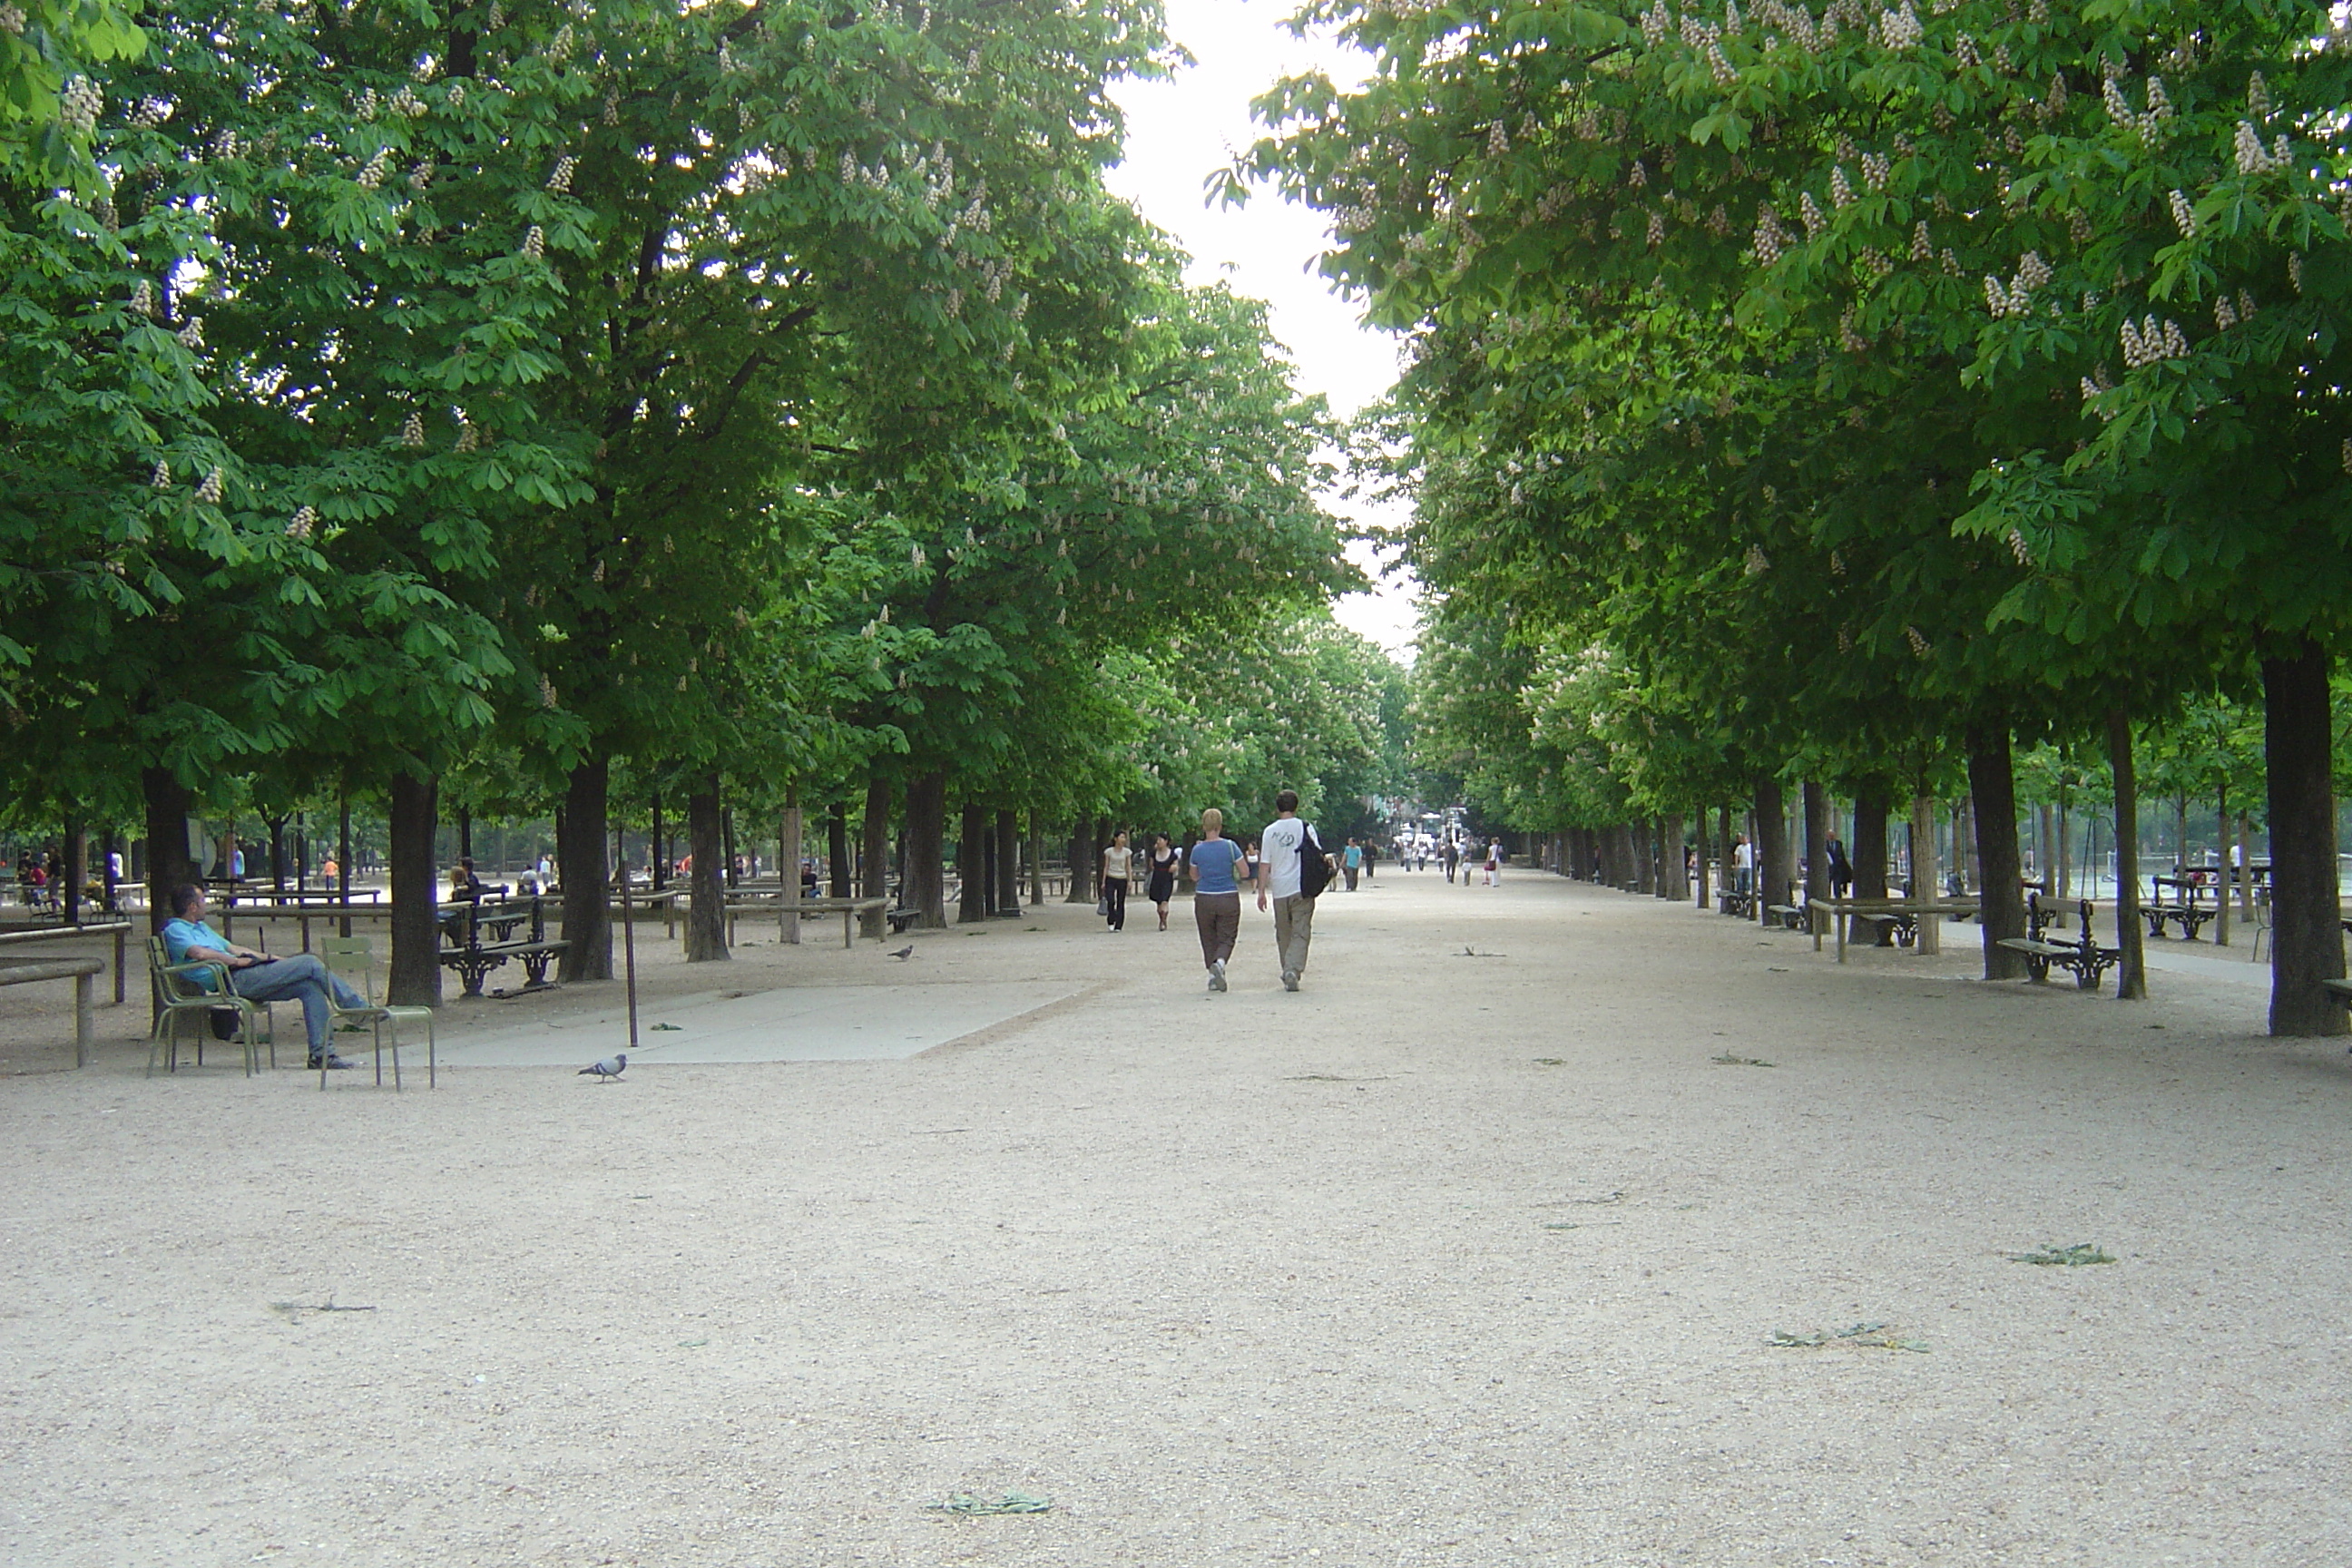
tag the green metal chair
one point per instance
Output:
(195, 989)
(353, 958)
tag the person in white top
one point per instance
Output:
(1277, 879)
(1743, 865)
(1117, 862)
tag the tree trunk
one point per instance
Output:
(581, 867)
(875, 874)
(2221, 888)
(1872, 808)
(1008, 863)
(2131, 974)
(706, 899)
(923, 874)
(2000, 899)
(1964, 840)
(1082, 870)
(1926, 873)
(2306, 942)
(1817, 838)
(836, 847)
(788, 871)
(1645, 878)
(169, 864)
(1036, 862)
(1699, 833)
(75, 856)
(972, 864)
(1773, 869)
(1675, 884)
(413, 977)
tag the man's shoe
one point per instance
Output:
(1217, 975)
(1290, 980)
(334, 1063)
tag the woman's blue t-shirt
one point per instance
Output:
(1215, 857)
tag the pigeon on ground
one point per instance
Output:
(605, 1071)
(905, 952)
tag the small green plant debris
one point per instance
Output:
(1858, 1336)
(673, 1028)
(1551, 1061)
(970, 1506)
(1730, 1060)
(2073, 1256)
(1560, 1225)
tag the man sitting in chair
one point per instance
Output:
(256, 974)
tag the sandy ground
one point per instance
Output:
(1448, 1259)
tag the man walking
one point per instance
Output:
(1284, 848)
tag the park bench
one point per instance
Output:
(1733, 901)
(464, 926)
(2341, 990)
(772, 903)
(18, 936)
(2190, 912)
(2084, 957)
(1791, 916)
(81, 970)
(1899, 918)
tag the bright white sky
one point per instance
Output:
(1178, 133)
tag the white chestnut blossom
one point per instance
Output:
(2184, 216)
(161, 478)
(304, 521)
(209, 493)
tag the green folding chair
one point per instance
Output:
(353, 958)
(195, 989)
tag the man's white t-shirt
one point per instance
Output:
(1744, 857)
(1279, 852)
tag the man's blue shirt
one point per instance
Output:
(181, 935)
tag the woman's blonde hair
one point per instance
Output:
(1212, 821)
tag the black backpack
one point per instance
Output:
(1314, 869)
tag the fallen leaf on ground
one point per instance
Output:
(2081, 1253)
(970, 1506)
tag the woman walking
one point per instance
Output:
(1118, 860)
(1216, 894)
(1162, 884)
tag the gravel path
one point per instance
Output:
(1448, 1259)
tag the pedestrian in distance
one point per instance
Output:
(1294, 869)
(1494, 863)
(1841, 869)
(1450, 857)
(1117, 862)
(1743, 865)
(1216, 866)
(1351, 863)
(1161, 872)
(1371, 858)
